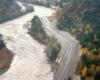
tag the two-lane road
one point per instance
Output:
(69, 50)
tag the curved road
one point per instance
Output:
(69, 50)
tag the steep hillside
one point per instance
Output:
(82, 19)
(9, 9)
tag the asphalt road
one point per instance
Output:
(69, 50)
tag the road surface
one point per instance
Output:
(69, 50)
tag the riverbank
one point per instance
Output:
(30, 60)
(6, 57)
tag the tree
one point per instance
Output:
(97, 76)
(1, 42)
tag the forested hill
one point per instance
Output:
(8, 9)
(7, 5)
(81, 18)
